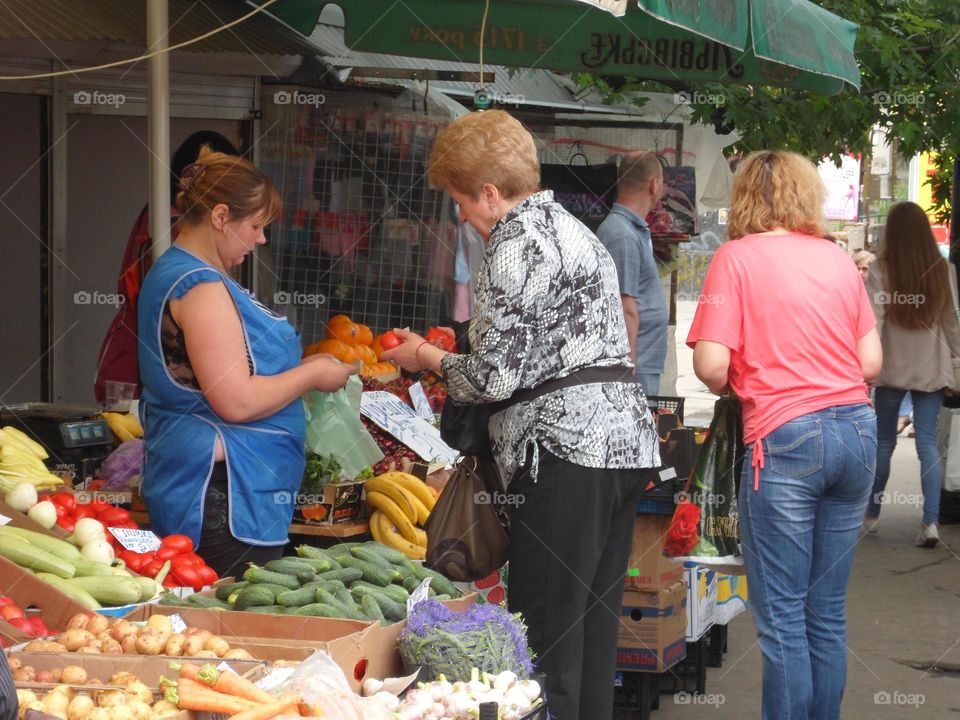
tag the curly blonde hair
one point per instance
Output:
(485, 147)
(776, 189)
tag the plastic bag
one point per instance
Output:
(711, 496)
(323, 688)
(122, 466)
(334, 428)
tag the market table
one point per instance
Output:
(335, 531)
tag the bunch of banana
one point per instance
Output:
(402, 504)
(21, 460)
(125, 426)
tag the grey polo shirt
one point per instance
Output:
(627, 238)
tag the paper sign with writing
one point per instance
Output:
(397, 418)
(419, 595)
(141, 541)
(420, 402)
(177, 623)
(4, 520)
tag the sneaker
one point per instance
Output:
(871, 523)
(928, 537)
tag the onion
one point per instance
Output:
(98, 550)
(43, 513)
(87, 529)
(22, 497)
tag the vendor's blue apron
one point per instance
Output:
(264, 458)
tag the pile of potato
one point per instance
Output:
(133, 702)
(92, 633)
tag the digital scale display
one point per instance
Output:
(84, 433)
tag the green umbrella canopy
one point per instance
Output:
(789, 43)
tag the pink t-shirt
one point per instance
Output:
(791, 308)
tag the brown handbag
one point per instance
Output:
(468, 531)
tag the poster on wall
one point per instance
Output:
(586, 191)
(843, 188)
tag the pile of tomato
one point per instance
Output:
(187, 569)
(69, 511)
(13, 614)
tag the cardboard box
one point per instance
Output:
(731, 597)
(701, 600)
(648, 569)
(33, 595)
(338, 503)
(652, 624)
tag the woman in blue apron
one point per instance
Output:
(222, 377)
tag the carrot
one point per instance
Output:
(265, 712)
(229, 683)
(191, 695)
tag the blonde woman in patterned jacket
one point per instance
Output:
(548, 307)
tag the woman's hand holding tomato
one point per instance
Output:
(404, 354)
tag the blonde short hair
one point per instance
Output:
(776, 189)
(485, 147)
(861, 257)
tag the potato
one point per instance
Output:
(56, 703)
(37, 705)
(160, 623)
(98, 714)
(192, 645)
(149, 643)
(218, 645)
(122, 628)
(14, 663)
(75, 638)
(105, 635)
(44, 676)
(129, 644)
(98, 624)
(73, 675)
(24, 674)
(205, 654)
(44, 646)
(57, 673)
(80, 707)
(174, 645)
(122, 678)
(95, 681)
(25, 697)
(111, 647)
(78, 621)
(89, 649)
(205, 634)
(66, 690)
(138, 692)
(238, 654)
(140, 710)
(120, 712)
(109, 698)
(164, 708)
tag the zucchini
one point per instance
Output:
(61, 548)
(302, 573)
(345, 575)
(32, 557)
(210, 603)
(269, 609)
(371, 573)
(394, 592)
(89, 568)
(367, 555)
(439, 582)
(318, 610)
(370, 608)
(148, 587)
(254, 595)
(258, 575)
(296, 598)
(223, 592)
(81, 596)
(392, 556)
(113, 591)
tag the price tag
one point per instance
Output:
(178, 624)
(394, 416)
(276, 678)
(668, 473)
(223, 667)
(4, 520)
(419, 595)
(141, 541)
(420, 402)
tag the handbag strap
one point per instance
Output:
(584, 376)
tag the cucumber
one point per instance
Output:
(296, 598)
(302, 573)
(345, 598)
(442, 597)
(223, 592)
(370, 608)
(171, 600)
(312, 553)
(410, 584)
(318, 610)
(210, 603)
(320, 595)
(391, 610)
(259, 575)
(268, 609)
(345, 575)
(318, 565)
(366, 554)
(394, 592)
(370, 572)
(335, 551)
(253, 596)
(439, 582)
(392, 556)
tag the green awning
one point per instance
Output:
(789, 43)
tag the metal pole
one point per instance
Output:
(158, 125)
(955, 212)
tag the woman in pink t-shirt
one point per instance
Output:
(785, 323)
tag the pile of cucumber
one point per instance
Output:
(356, 581)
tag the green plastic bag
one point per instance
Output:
(334, 428)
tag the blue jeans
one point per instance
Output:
(926, 408)
(650, 382)
(798, 533)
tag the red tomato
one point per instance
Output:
(4, 600)
(187, 576)
(166, 553)
(10, 612)
(170, 582)
(436, 336)
(390, 340)
(134, 560)
(96, 484)
(152, 567)
(82, 511)
(61, 511)
(180, 543)
(186, 560)
(65, 500)
(67, 524)
(39, 627)
(98, 506)
(22, 624)
(113, 516)
(207, 574)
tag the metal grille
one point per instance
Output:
(362, 233)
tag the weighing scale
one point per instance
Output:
(76, 438)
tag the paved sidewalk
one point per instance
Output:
(903, 609)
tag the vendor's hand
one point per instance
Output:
(331, 374)
(317, 356)
(405, 354)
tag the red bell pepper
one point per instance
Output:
(152, 567)
(64, 500)
(208, 575)
(82, 511)
(180, 543)
(113, 517)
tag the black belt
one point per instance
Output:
(584, 376)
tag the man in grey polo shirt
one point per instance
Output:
(626, 236)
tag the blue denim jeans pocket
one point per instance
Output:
(795, 449)
(867, 430)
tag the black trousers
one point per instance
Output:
(221, 550)
(570, 535)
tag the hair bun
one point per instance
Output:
(191, 175)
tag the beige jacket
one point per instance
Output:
(914, 359)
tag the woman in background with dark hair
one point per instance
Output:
(909, 286)
(118, 353)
